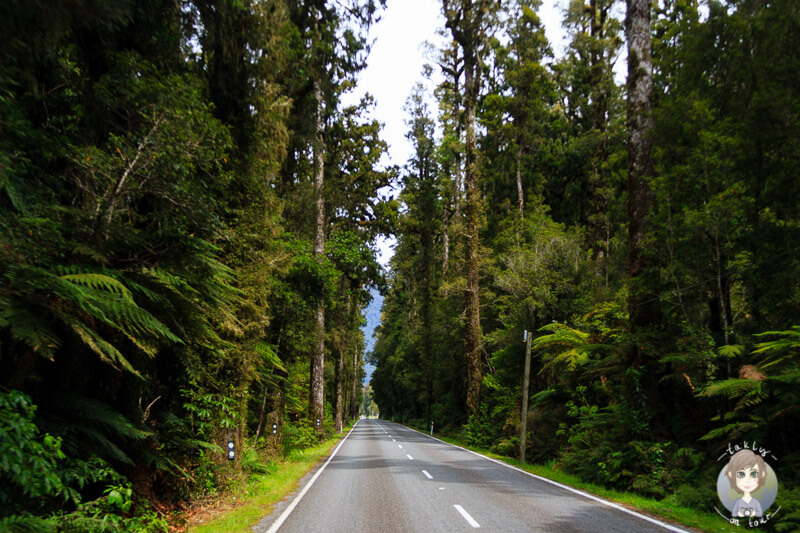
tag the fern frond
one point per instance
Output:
(172, 283)
(729, 388)
(101, 443)
(31, 329)
(545, 397)
(572, 359)
(561, 335)
(26, 524)
(731, 350)
(100, 281)
(575, 341)
(790, 339)
(269, 355)
(732, 431)
(102, 347)
(100, 414)
(150, 295)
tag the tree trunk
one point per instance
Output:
(465, 19)
(445, 241)
(472, 339)
(520, 193)
(354, 392)
(339, 374)
(642, 302)
(457, 126)
(428, 257)
(316, 392)
(339, 399)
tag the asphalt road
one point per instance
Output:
(385, 477)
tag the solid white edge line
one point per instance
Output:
(565, 487)
(285, 514)
(427, 475)
(466, 516)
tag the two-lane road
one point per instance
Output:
(385, 477)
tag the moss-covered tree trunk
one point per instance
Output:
(317, 389)
(465, 20)
(642, 302)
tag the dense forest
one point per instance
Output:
(639, 240)
(188, 216)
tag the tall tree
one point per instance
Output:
(317, 387)
(642, 302)
(421, 184)
(469, 22)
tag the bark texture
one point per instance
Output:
(472, 339)
(465, 19)
(317, 389)
(642, 303)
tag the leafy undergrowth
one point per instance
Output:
(247, 504)
(663, 509)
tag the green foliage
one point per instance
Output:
(38, 477)
(26, 524)
(765, 393)
(301, 434)
(30, 463)
(117, 510)
(477, 430)
(210, 413)
(572, 341)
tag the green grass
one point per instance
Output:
(664, 509)
(257, 498)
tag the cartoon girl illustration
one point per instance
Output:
(746, 473)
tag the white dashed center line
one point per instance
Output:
(466, 516)
(400, 446)
(427, 475)
(409, 457)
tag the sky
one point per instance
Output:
(395, 65)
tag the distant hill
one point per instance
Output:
(373, 315)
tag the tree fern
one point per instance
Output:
(89, 425)
(100, 282)
(269, 355)
(570, 346)
(101, 347)
(762, 399)
(730, 388)
(27, 524)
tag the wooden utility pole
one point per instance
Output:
(523, 423)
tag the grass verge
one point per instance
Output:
(246, 506)
(663, 509)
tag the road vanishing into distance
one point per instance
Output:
(384, 477)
